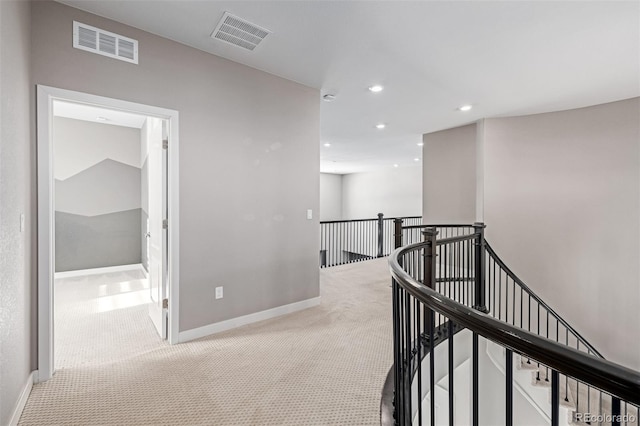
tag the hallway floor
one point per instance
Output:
(322, 366)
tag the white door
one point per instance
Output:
(156, 232)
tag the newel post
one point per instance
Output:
(380, 235)
(480, 302)
(397, 233)
(429, 280)
(429, 277)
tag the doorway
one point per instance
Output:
(156, 239)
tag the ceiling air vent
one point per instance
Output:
(237, 31)
(91, 39)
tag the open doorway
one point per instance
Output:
(107, 217)
(108, 193)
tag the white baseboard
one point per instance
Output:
(22, 401)
(218, 327)
(94, 271)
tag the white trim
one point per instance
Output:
(46, 247)
(96, 271)
(218, 327)
(22, 401)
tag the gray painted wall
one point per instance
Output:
(561, 199)
(97, 199)
(249, 161)
(562, 207)
(393, 192)
(449, 175)
(17, 187)
(85, 242)
(330, 197)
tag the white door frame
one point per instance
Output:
(46, 215)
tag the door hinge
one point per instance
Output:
(165, 224)
(165, 143)
(165, 303)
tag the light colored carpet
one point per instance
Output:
(102, 318)
(322, 366)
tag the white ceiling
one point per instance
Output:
(503, 57)
(97, 114)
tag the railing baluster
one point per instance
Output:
(494, 288)
(566, 378)
(521, 302)
(509, 387)
(397, 359)
(432, 369)
(555, 399)
(418, 343)
(407, 322)
(588, 396)
(546, 373)
(615, 411)
(359, 239)
(600, 402)
(380, 235)
(538, 332)
(334, 244)
(451, 372)
(475, 388)
(513, 305)
(500, 294)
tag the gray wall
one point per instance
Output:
(562, 207)
(330, 196)
(393, 192)
(560, 194)
(449, 175)
(17, 186)
(97, 198)
(249, 161)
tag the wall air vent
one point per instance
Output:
(91, 39)
(237, 31)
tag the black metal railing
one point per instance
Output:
(436, 294)
(347, 241)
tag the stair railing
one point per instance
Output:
(425, 272)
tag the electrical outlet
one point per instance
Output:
(219, 293)
(309, 214)
(21, 222)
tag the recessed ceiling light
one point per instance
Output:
(465, 107)
(376, 88)
(416, 159)
(102, 119)
(380, 126)
(327, 145)
(395, 165)
(420, 144)
(329, 97)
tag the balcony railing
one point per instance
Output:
(348, 241)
